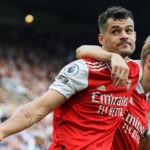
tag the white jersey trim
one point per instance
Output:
(71, 79)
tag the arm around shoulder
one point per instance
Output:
(94, 52)
(120, 69)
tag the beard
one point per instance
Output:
(126, 53)
(123, 50)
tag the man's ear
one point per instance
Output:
(100, 38)
(148, 60)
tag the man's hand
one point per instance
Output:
(120, 70)
(1, 136)
(144, 143)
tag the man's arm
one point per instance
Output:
(31, 113)
(120, 69)
(93, 51)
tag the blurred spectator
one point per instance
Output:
(28, 64)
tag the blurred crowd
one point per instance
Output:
(37, 137)
(26, 71)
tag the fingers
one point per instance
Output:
(120, 75)
(120, 70)
(113, 72)
(126, 74)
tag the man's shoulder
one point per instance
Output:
(134, 61)
(135, 69)
(89, 61)
(133, 64)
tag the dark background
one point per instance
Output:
(71, 22)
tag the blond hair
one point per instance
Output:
(145, 50)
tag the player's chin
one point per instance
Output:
(126, 52)
(126, 48)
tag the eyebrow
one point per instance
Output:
(129, 26)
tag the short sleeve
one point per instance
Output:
(71, 79)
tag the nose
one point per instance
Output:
(123, 35)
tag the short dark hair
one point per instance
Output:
(116, 13)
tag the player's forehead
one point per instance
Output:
(119, 23)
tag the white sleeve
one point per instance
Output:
(71, 79)
(140, 73)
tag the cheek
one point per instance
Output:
(133, 41)
(111, 42)
(147, 79)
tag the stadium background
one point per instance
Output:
(32, 54)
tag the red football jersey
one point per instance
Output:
(134, 122)
(95, 107)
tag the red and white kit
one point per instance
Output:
(134, 122)
(95, 107)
